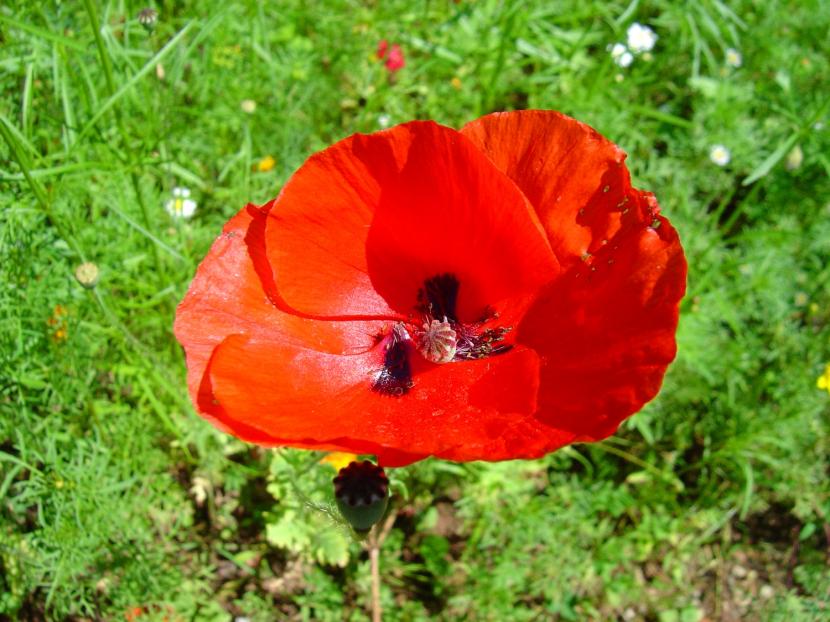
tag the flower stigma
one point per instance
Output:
(437, 342)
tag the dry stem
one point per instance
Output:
(374, 542)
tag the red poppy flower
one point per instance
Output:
(383, 47)
(395, 60)
(493, 293)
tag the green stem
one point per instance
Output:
(119, 119)
(40, 194)
(99, 43)
(673, 481)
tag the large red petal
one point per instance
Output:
(302, 395)
(361, 225)
(574, 177)
(226, 297)
(605, 330)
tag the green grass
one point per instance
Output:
(714, 501)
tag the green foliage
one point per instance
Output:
(306, 522)
(115, 497)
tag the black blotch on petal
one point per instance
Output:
(439, 296)
(395, 379)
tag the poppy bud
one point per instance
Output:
(362, 493)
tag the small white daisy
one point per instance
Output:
(622, 57)
(640, 38)
(720, 155)
(181, 205)
(734, 58)
(384, 120)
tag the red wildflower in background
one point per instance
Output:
(383, 47)
(493, 293)
(395, 60)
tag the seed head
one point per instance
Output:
(438, 341)
(87, 274)
(148, 18)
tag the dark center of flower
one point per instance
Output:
(395, 378)
(439, 336)
(438, 296)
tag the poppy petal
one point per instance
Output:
(227, 297)
(300, 394)
(574, 177)
(361, 226)
(605, 330)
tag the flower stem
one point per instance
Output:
(374, 542)
(40, 194)
(106, 63)
(666, 477)
(374, 560)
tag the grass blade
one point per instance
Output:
(49, 35)
(772, 159)
(149, 66)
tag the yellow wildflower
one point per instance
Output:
(823, 381)
(456, 83)
(338, 459)
(226, 55)
(266, 164)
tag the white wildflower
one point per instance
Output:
(720, 155)
(181, 205)
(622, 57)
(384, 120)
(248, 106)
(200, 488)
(734, 58)
(640, 38)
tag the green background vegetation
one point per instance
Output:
(713, 502)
